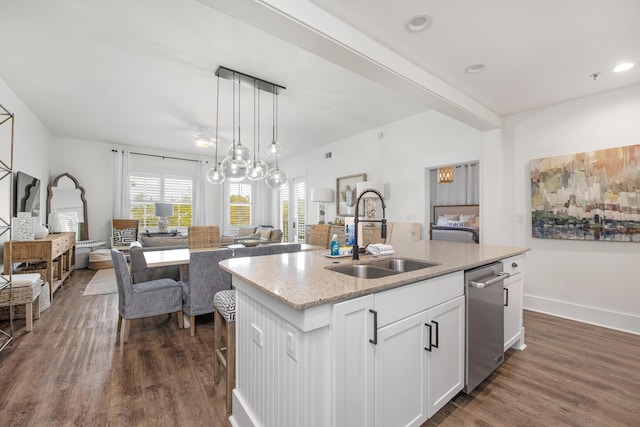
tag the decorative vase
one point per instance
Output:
(41, 231)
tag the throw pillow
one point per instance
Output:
(246, 231)
(444, 219)
(265, 233)
(455, 224)
(124, 236)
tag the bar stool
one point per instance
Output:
(224, 303)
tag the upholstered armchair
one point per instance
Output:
(206, 278)
(143, 299)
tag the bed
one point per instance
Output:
(456, 223)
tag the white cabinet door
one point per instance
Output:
(401, 374)
(513, 311)
(446, 358)
(353, 362)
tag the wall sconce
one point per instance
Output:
(445, 175)
(163, 210)
(370, 198)
(321, 195)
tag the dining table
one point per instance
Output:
(180, 257)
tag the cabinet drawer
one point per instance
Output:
(404, 301)
(513, 265)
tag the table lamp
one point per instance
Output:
(163, 210)
(321, 195)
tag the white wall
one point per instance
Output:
(399, 159)
(31, 149)
(595, 282)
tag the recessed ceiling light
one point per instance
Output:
(623, 67)
(475, 68)
(419, 22)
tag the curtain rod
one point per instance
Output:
(162, 157)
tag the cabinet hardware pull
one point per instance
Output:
(428, 326)
(374, 341)
(506, 304)
(437, 334)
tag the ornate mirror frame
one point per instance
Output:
(84, 226)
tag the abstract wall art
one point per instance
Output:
(593, 195)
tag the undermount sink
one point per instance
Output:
(403, 265)
(365, 271)
(383, 268)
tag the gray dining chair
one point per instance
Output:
(206, 278)
(144, 299)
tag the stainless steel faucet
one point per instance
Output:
(383, 221)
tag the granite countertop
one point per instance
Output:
(302, 280)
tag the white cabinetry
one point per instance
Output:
(446, 361)
(353, 355)
(410, 366)
(513, 295)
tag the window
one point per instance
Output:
(284, 212)
(292, 210)
(147, 189)
(240, 199)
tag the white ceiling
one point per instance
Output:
(142, 73)
(537, 53)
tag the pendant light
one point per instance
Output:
(216, 175)
(240, 150)
(274, 148)
(257, 169)
(234, 165)
(276, 178)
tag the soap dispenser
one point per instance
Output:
(335, 246)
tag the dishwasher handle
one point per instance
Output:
(480, 285)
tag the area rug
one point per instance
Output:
(102, 283)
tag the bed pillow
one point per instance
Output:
(468, 220)
(444, 219)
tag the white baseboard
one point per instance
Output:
(592, 315)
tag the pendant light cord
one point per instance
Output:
(239, 108)
(234, 115)
(217, 116)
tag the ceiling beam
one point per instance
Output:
(309, 27)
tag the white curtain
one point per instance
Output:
(464, 190)
(473, 184)
(121, 196)
(199, 187)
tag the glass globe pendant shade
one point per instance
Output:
(216, 175)
(241, 151)
(273, 149)
(276, 178)
(234, 169)
(257, 170)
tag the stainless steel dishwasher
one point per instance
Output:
(485, 323)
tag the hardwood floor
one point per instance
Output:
(69, 372)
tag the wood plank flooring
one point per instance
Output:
(69, 371)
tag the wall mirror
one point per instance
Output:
(67, 207)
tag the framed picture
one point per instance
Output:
(346, 193)
(594, 195)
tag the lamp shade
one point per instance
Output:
(369, 185)
(322, 195)
(163, 210)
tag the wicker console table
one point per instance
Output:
(59, 249)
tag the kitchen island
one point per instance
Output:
(316, 347)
